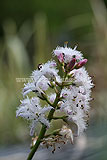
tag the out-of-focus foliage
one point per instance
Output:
(29, 30)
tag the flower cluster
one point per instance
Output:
(30, 109)
(71, 94)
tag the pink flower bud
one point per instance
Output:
(60, 57)
(81, 63)
(71, 64)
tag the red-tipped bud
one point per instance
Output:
(72, 63)
(81, 63)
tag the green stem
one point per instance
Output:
(56, 132)
(65, 75)
(67, 84)
(61, 117)
(34, 149)
(46, 99)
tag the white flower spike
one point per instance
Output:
(31, 110)
(67, 91)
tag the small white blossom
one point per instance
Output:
(67, 53)
(29, 87)
(52, 97)
(67, 134)
(31, 110)
(42, 85)
(82, 78)
(39, 87)
(48, 70)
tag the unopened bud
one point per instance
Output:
(60, 57)
(71, 64)
(81, 63)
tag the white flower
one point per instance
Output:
(82, 79)
(31, 110)
(39, 87)
(68, 54)
(48, 70)
(41, 79)
(66, 133)
(42, 85)
(28, 88)
(52, 97)
(77, 122)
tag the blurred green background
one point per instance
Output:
(29, 31)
